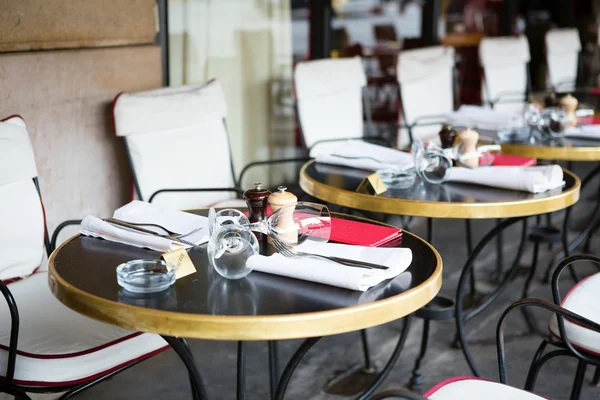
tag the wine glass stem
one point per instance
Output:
(260, 226)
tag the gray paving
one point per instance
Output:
(164, 377)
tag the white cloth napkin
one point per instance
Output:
(142, 212)
(534, 179)
(584, 132)
(363, 155)
(484, 118)
(334, 274)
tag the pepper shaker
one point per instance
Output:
(447, 136)
(256, 199)
(285, 224)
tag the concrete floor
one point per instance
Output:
(164, 377)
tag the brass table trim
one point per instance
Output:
(268, 327)
(591, 153)
(437, 209)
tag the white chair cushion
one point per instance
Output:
(562, 56)
(329, 98)
(176, 138)
(582, 299)
(21, 213)
(425, 77)
(468, 388)
(504, 60)
(58, 346)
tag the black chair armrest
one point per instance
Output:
(14, 335)
(237, 191)
(396, 394)
(270, 162)
(556, 309)
(59, 228)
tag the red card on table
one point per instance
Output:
(508, 160)
(362, 233)
(358, 233)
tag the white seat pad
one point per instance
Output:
(582, 299)
(470, 388)
(58, 346)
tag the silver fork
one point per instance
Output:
(134, 227)
(290, 252)
(171, 234)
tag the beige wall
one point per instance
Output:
(65, 98)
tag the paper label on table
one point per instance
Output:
(181, 260)
(372, 184)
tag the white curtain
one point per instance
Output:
(246, 44)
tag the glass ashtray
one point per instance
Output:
(146, 276)
(397, 179)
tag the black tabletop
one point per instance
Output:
(86, 266)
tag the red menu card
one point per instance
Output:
(362, 233)
(508, 160)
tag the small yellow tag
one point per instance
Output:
(181, 260)
(372, 184)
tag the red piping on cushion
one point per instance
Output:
(452, 380)
(75, 354)
(114, 104)
(12, 116)
(562, 303)
(91, 377)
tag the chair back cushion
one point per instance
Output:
(177, 138)
(504, 61)
(329, 98)
(21, 212)
(562, 56)
(426, 86)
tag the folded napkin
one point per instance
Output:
(584, 132)
(528, 179)
(142, 212)
(334, 274)
(484, 118)
(363, 155)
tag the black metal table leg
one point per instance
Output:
(273, 367)
(499, 254)
(241, 371)
(461, 316)
(180, 347)
(416, 380)
(291, 366)
(366, 352)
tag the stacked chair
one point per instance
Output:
(45, 346)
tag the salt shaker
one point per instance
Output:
(469, 139)
(285, 225)
(569, 104)
(256, 199)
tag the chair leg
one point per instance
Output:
(596, 377)
(578, 382)
(416, 379)
(539, 362)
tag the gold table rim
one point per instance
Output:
(267, 327)
(577, 153)
(438, 209)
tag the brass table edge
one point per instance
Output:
(275, 327)
(553, 153)
(437, 209)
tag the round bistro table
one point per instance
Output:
(338, 185)
(205, 305)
